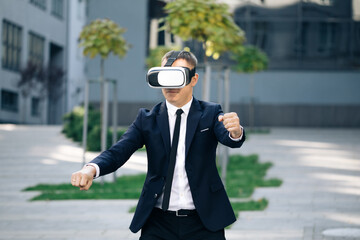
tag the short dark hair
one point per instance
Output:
(187, 56)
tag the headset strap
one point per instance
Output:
(172, 58)
(192, 72)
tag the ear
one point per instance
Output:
(194, 80)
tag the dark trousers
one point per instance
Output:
(167, 226)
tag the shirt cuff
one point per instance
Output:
(239, 138)
(96, 167)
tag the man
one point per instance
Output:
(183, 196)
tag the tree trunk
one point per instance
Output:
(103, 107)
(206, 79)
(114, 120)
(251, 106)
(103, 110)
(85, 120)
(225, 158)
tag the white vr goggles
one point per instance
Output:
(170, 77)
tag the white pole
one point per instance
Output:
(114, 138)
(85, 120)
(104, 117)
(226, 110)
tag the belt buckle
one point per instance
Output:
(179, 215)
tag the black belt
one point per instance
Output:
(178, 213)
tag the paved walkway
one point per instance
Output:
(321, 189)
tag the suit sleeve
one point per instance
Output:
(222, 134)
(113, 158)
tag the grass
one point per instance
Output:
(245, 173)
(126, 187)
(252, 205)
(257, 130)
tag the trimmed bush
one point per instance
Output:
(73, 128)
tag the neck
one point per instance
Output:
(180, 105)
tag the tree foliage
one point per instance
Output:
(250, 60)
(156, 54)
(206, 21)
(102, 37)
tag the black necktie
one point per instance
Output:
(170, 173)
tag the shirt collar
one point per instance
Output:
(172, 109)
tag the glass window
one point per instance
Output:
(36, 49)
(39, 3)
(327, 34)
(160, 38)
(11, 46)
(57, 8)
(260, 31)
(35, 107)
(9, 101)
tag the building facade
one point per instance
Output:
(39, 41)
(313, 47)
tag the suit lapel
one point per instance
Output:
(163, 124)
(192, 123)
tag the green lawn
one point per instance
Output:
(245, 173)
(126, 187)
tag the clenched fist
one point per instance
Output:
(83, 178)
(231, 122)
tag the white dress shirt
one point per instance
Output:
(180, 196)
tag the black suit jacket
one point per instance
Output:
(204, 131)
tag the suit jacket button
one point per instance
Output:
(155, 196)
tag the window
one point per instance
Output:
(9, 101)
(57, 8)
(39, 3)
(260, 31)
(160, 38)
(36, 49)
(35, 107)
(356, 39)
(327, 34)
(301, 40)
(11, 45)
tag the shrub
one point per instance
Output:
(94, 138)
(73, 128)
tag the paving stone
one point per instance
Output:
(320, 169)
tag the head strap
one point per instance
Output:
(172, 58)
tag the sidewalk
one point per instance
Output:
(320, 170)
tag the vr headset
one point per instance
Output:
(170, 77)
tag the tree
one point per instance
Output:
(156, 54)
(102, 37)
(207, 22)
(251, 60)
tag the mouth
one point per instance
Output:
(172, 90)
